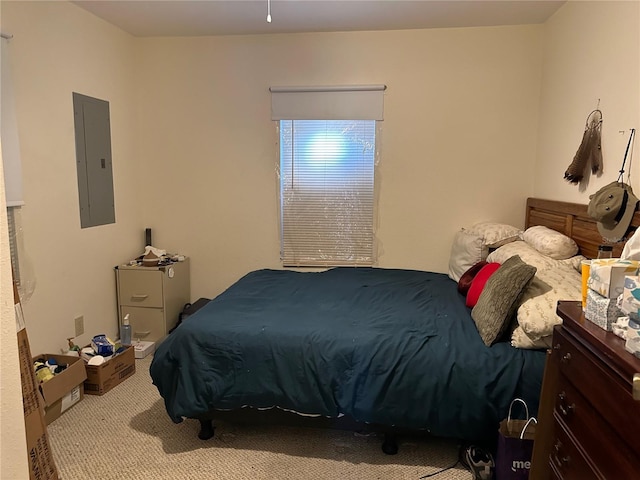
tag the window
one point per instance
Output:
(327, 192)
(328, 158)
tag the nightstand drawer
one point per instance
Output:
(141, 288)
(147, 324)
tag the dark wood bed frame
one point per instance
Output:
(572, 220)
(565, 217)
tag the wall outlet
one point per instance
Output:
(79, 325)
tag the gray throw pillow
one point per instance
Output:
(499, 299)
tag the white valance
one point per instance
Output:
(349, 102)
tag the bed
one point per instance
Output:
(391, 348)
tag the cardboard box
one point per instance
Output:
(102, 378)
(606, 275)
(39, 454)
(65, 389)
(601, 310)
(142, 349)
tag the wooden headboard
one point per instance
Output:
(572, 220)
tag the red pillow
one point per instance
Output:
(478, 283)
(467, 277)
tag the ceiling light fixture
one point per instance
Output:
(268, 11)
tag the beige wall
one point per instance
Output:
(591, 53)
(458, 140)
(58, 49)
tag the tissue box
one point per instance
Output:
(632, 344)
(607, 275)
(601, 310)
(630, 304)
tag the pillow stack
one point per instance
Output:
(554, 255)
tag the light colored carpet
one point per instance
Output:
(126, 434)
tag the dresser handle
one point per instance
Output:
(139, 297)
(141, 334)
(564, 408)
(560, 461)
(636, 386)
(566, 357)
(557, 346)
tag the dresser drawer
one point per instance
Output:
(142, 288)
(600, 386)
(566, 459)
(614, 458)
(146, 323)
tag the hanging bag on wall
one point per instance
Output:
(515, 445)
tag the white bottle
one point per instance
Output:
(125, 331)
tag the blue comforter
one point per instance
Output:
(383, 346)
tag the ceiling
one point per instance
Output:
(149, 18)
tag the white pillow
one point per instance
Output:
(574, 262)
(537, 311)
(527, 253)
(467, 250)
(495, 234)
(519, 339)
(549, 242)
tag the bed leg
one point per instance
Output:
(207, 430)
(390, 445)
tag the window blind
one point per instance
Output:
(327, 192)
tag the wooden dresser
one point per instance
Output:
(589, 422)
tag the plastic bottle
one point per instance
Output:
(125, 331)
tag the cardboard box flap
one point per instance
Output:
(62, 383)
